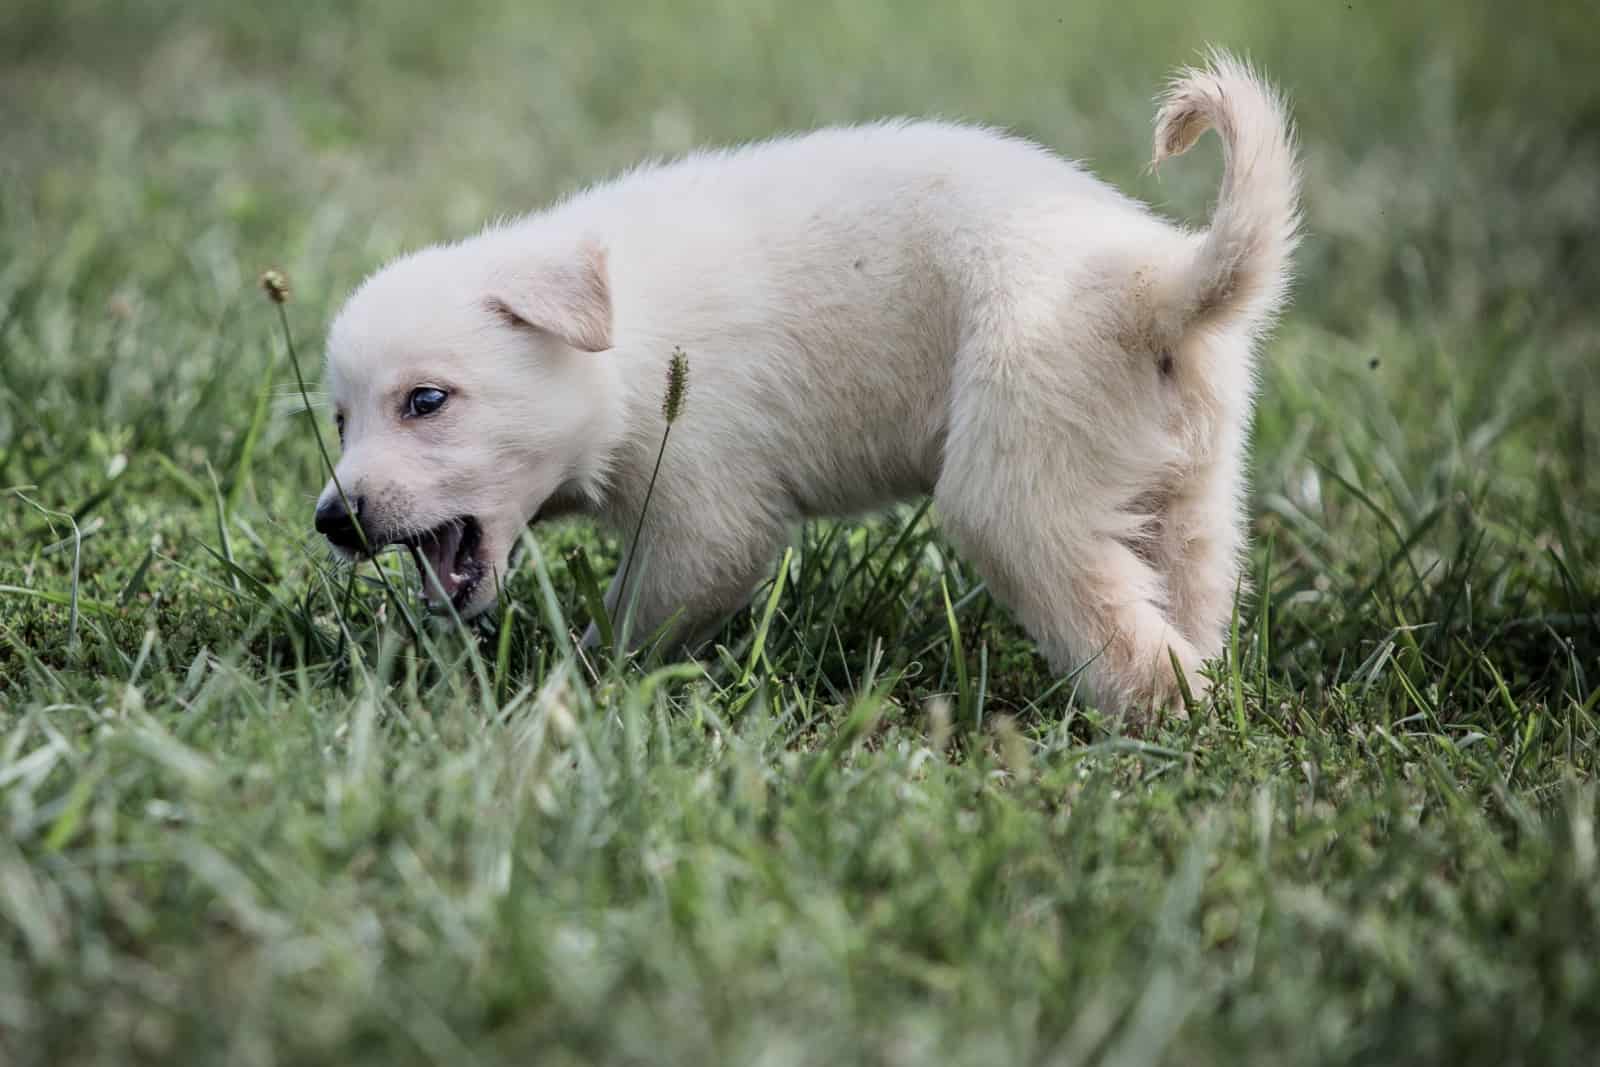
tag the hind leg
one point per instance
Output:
(1201, 544)
(1050, 534)
(1086, 598)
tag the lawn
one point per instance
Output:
(248, 816)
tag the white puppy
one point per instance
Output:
(870, 313)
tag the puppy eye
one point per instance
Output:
(338, 424)
(425, 401)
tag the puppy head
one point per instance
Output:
(469, 385)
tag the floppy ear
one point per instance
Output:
(569, 300)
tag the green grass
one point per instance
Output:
(245, 817)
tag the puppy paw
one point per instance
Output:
(1157, 692)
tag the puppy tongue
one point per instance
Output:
(441, 555)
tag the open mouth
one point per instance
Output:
(449, 562)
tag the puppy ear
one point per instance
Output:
(568, 300)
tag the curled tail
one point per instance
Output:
(1241, 269)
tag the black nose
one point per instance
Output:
(338, 525)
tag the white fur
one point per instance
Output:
(869, 313)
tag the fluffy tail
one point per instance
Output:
(1241, 270)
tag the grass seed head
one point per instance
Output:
(276, 285)
(677, 386)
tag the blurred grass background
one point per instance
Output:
(221, 840)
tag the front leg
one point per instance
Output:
(685, 582)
